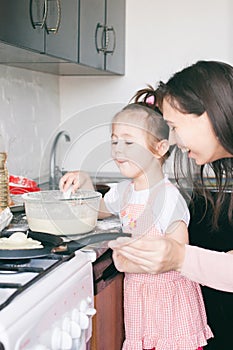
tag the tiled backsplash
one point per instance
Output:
(30, 117)
(30, 120)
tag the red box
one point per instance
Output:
(20, 185)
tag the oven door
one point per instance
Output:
(55, 313)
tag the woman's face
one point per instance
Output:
(194, 135)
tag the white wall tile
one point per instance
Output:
(29, 115)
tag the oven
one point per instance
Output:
(47, 303)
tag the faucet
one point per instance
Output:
(54, 169)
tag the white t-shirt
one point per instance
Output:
(168, 204)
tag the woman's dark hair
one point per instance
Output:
(207, 86)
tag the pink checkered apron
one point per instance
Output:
(165, 311)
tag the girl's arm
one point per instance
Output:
(103, 211)
(76, 179)
(178, 230)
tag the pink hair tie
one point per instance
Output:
(150, 100)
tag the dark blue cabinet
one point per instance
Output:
(45, 26)
(102, 34)
(80, 37)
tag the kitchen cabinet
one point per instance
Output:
(102, 34)
(108, 323)
(45, 26)
(64, 37)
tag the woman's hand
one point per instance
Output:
(76, 179)
(147, 254)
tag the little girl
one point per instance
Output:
(166, 311)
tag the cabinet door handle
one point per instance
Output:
(99, 48)
(55, 29)
(40, 23)
(107, 41)
(104, 39)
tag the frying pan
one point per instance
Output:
(55, 244)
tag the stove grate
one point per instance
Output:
(41, 272)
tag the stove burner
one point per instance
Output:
(14, 263)
(14, 266)
(18, 275)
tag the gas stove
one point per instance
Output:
(46, 303)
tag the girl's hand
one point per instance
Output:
(147, 254)
(76, 179)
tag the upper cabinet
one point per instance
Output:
(102, 34)
(61, 29)
(46, 26)
(87, 34)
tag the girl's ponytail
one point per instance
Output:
(147, 97)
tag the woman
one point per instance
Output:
(197, 104)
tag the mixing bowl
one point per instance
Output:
(48, 211)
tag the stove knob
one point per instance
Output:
(83, 305)
(66, 324)
(83, 320)
(61, 340)
(71, 327)
(75, 315)
(80, 318)
(91, 311)
(89, 300)
(75, 330)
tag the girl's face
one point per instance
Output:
(130, 150)
(193, 134)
